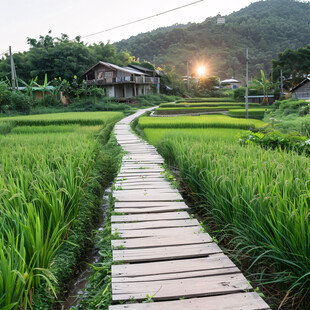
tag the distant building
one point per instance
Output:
(122, 82)
(302, 90)
(261, 99)
(220, 19)
(230, 83)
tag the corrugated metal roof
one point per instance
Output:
(301, 83)
(116, 67)
(230, 81)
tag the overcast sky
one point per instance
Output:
(20, 19)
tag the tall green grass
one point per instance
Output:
(202, 121)
(258, 197)
(155, 135)
(43, 176)
(81, 118)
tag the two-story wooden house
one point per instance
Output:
(122, 82)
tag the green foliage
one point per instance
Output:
(60, 57)
(275, 139)
(266, 27)
(290, 115)
(294, 64)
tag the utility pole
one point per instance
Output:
(187, 67)
(247, 85)
(13, 72)
(282, 84)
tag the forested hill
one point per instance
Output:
(266, 27)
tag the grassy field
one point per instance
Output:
(206, 104)
(202, 121)
(155, 135)
(254, 112)
(44, 172)
(81, 118)
(257, 197)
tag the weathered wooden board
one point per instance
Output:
(149, 217)
(128, 196)
(178, 276)
(144, 185)
(215, 261)
(237, 301)
(192, 287)
(146, 204)
(149, 210)
(154, 224)
(165, 253)
(161, 241)
(158, 232)
(140, 180)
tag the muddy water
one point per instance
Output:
(76, 291)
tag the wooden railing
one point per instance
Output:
(122, 80)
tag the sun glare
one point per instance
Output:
(201, 70)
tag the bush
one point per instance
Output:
(48, 101)
(20, 103)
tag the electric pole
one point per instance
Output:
(281, 84)
(187, 67)
(13, 71)
(247, 85)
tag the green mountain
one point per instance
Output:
(265, 27)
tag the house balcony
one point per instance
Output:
(124, 80)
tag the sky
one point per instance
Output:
(20, 19)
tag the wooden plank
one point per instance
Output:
(146, 204)
(145, 185)
(149, 210)
(120, 196)
(215, 261)
(149, 217)
(237, 301)
(165, 253)
(178, 276)
(192, 287)
(160, 241)
(154, 224)
(140, 179)
(158, 232)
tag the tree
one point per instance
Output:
(295, 65)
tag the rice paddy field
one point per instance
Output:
(202, 121)
(45, 162)
(207, 106)
(257, 198)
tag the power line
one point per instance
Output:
(142, 19)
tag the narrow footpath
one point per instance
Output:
(163, 254)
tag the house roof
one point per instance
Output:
(142, 69)
(300, 84)
(230, 81)
(115, 68)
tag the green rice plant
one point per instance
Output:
(81, 118)
(43, 174)
(259, 197)
(251, 112)
(202, 121)
(155, 135)
(206, 104)
(197, 100)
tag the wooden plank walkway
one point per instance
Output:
(163, 253)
